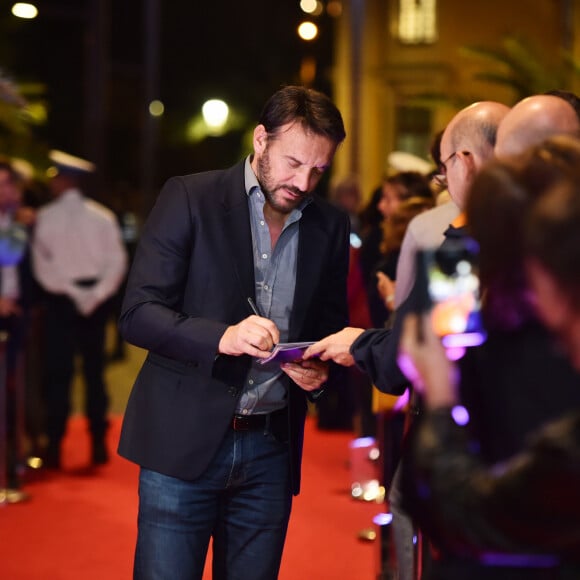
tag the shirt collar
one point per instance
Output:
(251, 181)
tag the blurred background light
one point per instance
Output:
(156, 108)
(334, 8)
(24, 10)
(313, 7)
(308, 6)
(215, 114)
(307, 30)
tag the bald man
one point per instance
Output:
(467, 143)
(529, 122)
(534, 119)
(469, 140)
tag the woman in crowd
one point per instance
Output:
(394, 229)
(397, 189)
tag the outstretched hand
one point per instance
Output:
(335, 347)
(254, 335)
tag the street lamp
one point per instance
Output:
(307, 30)
(313, 7)
(215, 114)
(24, 10)
(156, 108)
(94, 18)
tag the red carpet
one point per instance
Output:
(81, 524)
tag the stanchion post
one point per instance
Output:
(3, 421)
(384, 569)
(11, 410)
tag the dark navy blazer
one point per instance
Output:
(190, 279)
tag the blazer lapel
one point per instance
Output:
(238, 231)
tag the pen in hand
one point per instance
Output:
(255, 310)
(253, 306)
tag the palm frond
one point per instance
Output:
(519, 66)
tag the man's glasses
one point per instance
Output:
(440, 179)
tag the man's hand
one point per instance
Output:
(254, 335)
(307, 374)
(335, 347)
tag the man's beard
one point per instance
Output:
(269, 189)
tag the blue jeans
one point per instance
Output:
(242, 501)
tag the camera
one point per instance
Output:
(449, 288)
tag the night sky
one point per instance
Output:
(238, 51)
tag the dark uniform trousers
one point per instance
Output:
(67, 333)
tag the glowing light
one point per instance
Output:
(460, 415)
(464, 339)
(383, 519)
(362, 442)
(24, 10)
(334, 8)
(308, 6)
(307, 31)
(454, 353)
(313, 7)
(215, 114)
(156, 108)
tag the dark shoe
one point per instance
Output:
(100, 454)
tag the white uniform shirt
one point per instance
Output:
(76, 238)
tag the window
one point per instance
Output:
(413, 130)
(417, 21)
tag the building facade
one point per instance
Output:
(404, 67)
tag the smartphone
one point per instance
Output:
(449, 276)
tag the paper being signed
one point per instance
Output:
(287, 352)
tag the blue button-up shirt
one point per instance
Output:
(275, 276)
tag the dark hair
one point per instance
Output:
(435, 148)
(499, 200)
(370, 216)
(569, 97)
(395, 227)
(314, 110)
(410, 184)
(552, 235)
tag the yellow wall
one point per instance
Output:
(391, 74)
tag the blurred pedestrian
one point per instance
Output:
(79, 260)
